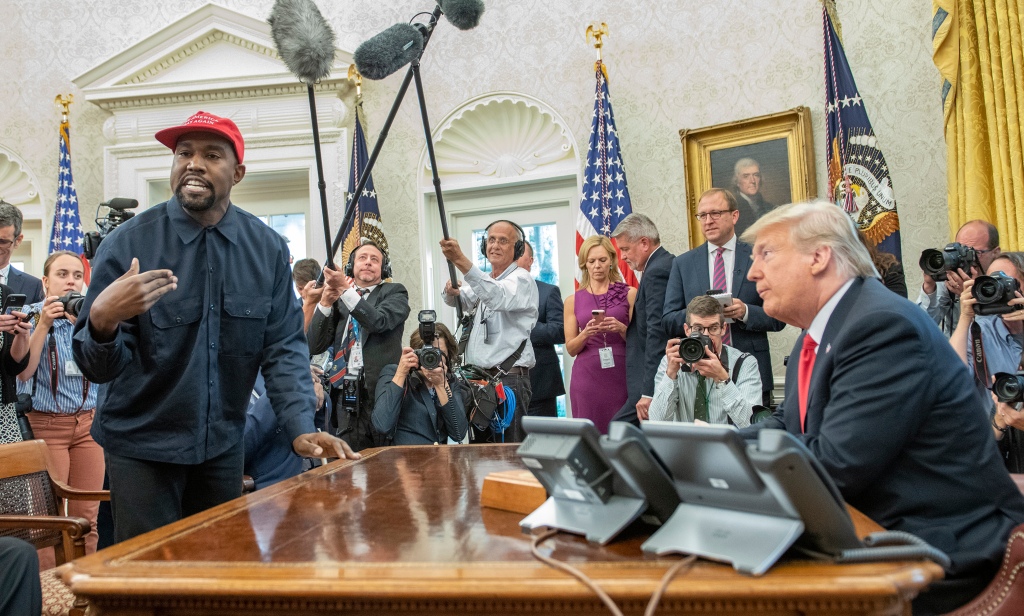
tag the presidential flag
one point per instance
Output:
(366, 222)
(604, 201)
(67, 226)
(858, 177)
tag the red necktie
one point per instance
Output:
(807, 355)
(720, 283)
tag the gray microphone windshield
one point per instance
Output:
(388, 51)
(303, 38)
(463, 14)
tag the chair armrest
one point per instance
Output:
(75, 527)
(65, 491)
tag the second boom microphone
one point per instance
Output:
(389, 51)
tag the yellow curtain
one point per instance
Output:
(979, 52)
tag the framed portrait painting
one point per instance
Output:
(765, 162)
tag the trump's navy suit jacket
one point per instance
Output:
(894, 417)
(690, 278)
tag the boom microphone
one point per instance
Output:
(303, 38)
(388, 51)
(463, 14)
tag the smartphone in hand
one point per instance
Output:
(598, 315)
(15, 302)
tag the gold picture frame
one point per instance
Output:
(782, 150)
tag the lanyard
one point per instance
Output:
(54, 366)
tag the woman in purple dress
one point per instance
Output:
(603, 305)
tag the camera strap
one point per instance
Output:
(51, 343)
(979, 364)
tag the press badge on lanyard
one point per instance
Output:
(607, 359)
(71, 368)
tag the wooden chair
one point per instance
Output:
(31, 504)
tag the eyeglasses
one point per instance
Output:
(711, 330)
(713, 215)
(5, 243)
(501, 241)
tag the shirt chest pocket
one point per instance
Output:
(243, 324)
(175, 329)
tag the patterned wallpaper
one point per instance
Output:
(671, 65)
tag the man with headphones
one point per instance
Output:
(505, 304)
(363, 317)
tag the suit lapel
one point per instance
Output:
(792, 415)
(824, 362)
(740, 264)
(703, 277)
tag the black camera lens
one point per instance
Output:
(430, 357)
(934, 260)
(73, 302)
(994, 293)
(1009, 388)
(691, 348)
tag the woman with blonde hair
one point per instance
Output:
(596, 317)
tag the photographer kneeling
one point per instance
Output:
(701, 378)
(417, 399)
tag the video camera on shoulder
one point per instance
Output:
(428, 355)
(116, 215)
(994, 294)
(938, 263)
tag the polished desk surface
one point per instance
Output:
(402, 531)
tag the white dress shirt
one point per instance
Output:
(674, 399)
(506, 311)
(817, 328)
(728, 258)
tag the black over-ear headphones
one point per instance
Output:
(520, 246)
(385, 262)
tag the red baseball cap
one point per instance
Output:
(203, 122)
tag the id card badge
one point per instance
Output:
(355, 358)
(71, 368)
(607, 359)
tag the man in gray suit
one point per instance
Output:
(10, 239)
(640, 244)
(546, 377)
(363, 317)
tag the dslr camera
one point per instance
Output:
(428, 355)
(1009, 388)
(994, 294)
(691, 348)
(72, 302)
(117, 213)
(937, 263)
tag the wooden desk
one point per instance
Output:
(402, 532)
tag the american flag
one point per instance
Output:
(366, 222)
(858, 175)
(605, 198)
(67, 225)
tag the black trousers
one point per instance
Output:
(543, 408)
(20, 591)
(145, 495)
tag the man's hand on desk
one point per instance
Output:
(323, 445)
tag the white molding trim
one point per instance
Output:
(525, 138)
(153, 71)
(19, 186)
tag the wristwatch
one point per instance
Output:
(996, 426)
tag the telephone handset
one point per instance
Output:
(790, 469)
